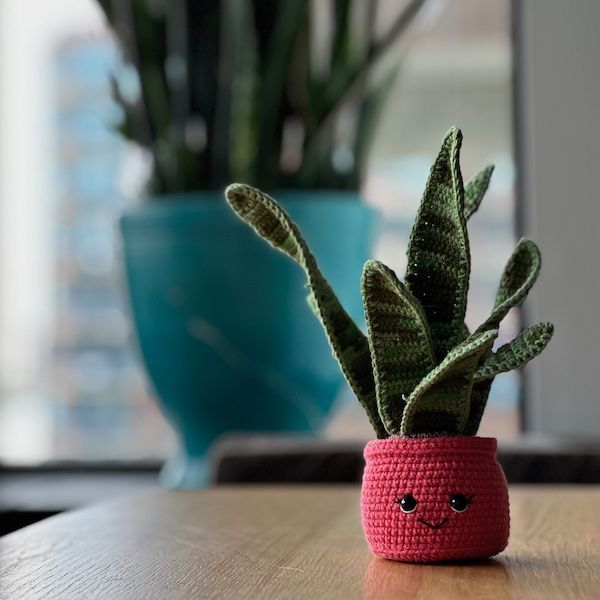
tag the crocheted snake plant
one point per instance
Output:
(419, 371)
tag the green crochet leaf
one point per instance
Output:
(519, 275)
(438, 254)
(479, 396)
(475, 190)
(399, 339)
(349, 344)
(516, 354)
(441, 401)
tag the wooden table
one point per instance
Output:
(289, 542)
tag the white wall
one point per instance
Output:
(558, 139)
(29, 29)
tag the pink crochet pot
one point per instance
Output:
(434, 498)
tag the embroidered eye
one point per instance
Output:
(407, 503)
(459, 502)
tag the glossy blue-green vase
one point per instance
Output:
(226, 334)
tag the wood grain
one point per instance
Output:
(289, 542)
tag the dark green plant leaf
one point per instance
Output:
(342, 34)
(514, 355)
(479, 396)
(438, 254)
(399, 339)
(106, 6)
(441, 401)
(220, 81)
(344, 86)
(128, 124)
(368, 118)
(519, 275)
(349, 344)
(290, 18)
(244, 149)
(475, 190)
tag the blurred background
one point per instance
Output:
(76, 76)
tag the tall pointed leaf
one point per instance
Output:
(399, 339)
(519, 275)
(368, 118)
(475, 190)
(441, 401)
(288, 20)
(438, 254)
(349, 344)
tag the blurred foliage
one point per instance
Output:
(252, 90)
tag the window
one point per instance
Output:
(69, 374)
(68, 371)
(457, 70)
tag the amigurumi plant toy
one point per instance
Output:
(432, 490)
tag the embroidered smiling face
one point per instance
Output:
(459, 503)
(434, 499)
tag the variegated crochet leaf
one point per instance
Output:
(516, 354)
(438, 254)
(441, 401)
(475, 189)
(349, 344)
(399, 339)
(479, 397)
(519, 275)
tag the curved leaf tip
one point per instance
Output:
(520, 273)
(517, 353)
(238, 194)
(475, 190)
(348, 343)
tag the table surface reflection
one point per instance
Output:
(290, 542)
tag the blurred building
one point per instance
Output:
(69, 384)
(100, 405)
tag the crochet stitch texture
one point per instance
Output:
(431, 490)
(419, 371)
(433, 470)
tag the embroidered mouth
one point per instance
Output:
(431, 525)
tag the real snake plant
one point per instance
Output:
(222, 90)
(418, 370)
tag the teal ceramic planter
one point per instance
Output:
(226, 335)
